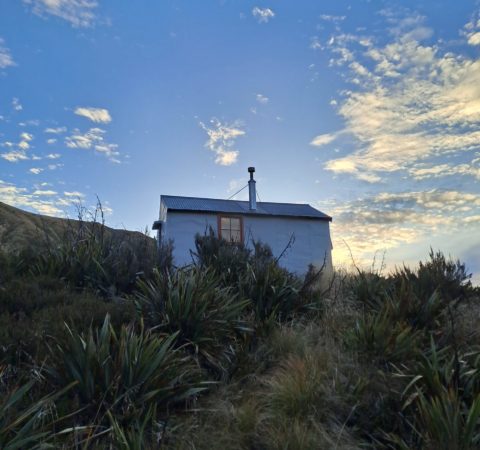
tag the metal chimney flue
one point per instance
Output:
(252, 192)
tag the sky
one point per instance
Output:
(367, 110)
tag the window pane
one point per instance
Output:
(230, 229)
(226, 235)
(225, 223)
(235, 224)
(235, 236)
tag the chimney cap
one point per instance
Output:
(251, 169)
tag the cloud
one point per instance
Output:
(24, 145)
(93, 139)
(51, 141)
(315, 44)
(43, 201)
(14, 156)
(391, 220)
(263, 15)
(74, 194)
(221, 139)
(26, 137)
(58, 130)
(472, 31)
(17, 106)
(330, 18)
(323, 139)
(19, 149)
(409, 101)
(423, 171)
(21, 197)
(98, 115)
(6, 59)
(474, 38)
(79, 13)
(262, 99)
(54, 166)
(47, 193)
(36, 170)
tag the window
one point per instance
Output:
(230, 229)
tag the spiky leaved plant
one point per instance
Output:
(26, 426)
(444, 397)
(122, 373)
(205, 316)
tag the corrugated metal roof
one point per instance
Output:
(214, 205)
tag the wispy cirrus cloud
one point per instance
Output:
(97, 115)
(79, 13)
(221, 139)
(409, 100)
(93, 139)
(6, 59)
(263, 15)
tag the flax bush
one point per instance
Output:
(444, 397)
(123, 373)
(207, 318)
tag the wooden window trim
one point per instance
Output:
(229, 216)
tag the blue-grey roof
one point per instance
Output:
(214, 205)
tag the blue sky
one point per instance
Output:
(368, 110)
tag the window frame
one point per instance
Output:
(229, 216)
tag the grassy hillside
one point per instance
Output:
(103, 344)
(21, 229)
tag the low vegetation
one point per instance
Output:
(104, 344)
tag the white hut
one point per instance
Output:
(298, 232)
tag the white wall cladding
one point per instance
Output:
(312, 242)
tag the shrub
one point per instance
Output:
(165, 257)
(87, 254)
(447, 423)
(34, 308)
(446, 277)
(138, 434)
(26, 426)
(369, 289)
(206, 317)
(381, 338)
(274, 293)
(227, 260)
(124, 373)
(443, 394)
